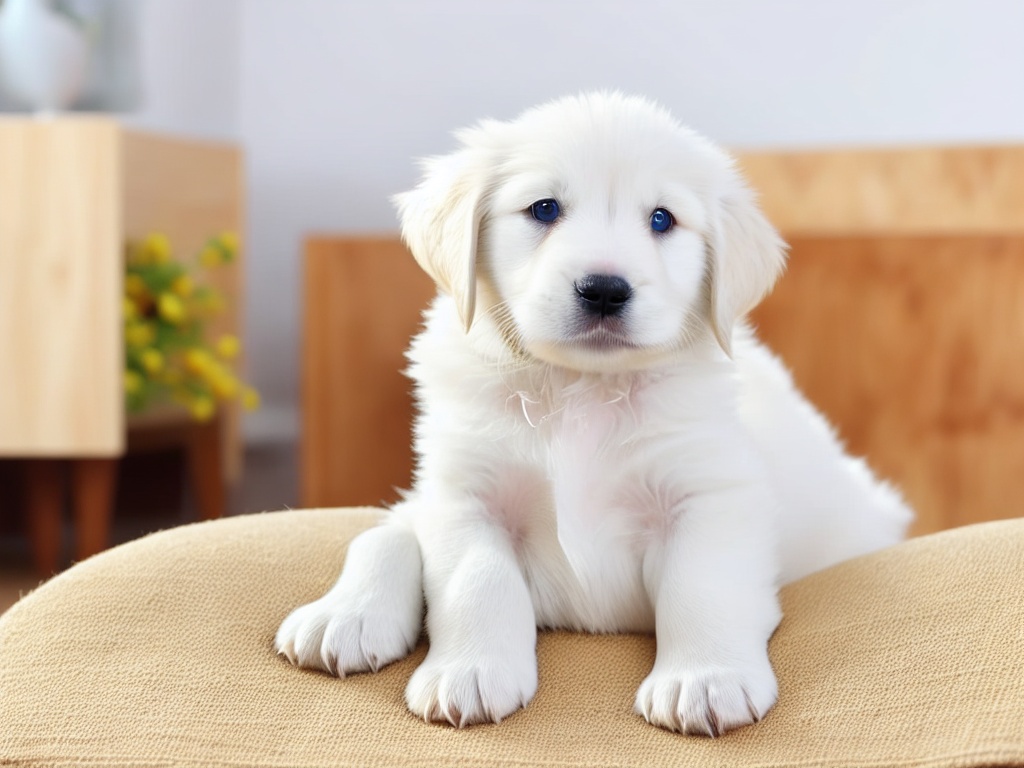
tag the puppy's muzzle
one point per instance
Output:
(603, 295)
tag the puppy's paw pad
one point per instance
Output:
(333, 637)
(706, 701)
(465, 692)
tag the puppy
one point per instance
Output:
(602, 443)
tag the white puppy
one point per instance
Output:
(603, 445)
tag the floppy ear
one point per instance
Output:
(440, 225)
(747, 258)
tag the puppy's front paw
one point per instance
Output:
(706, 700)
(471, 690)
(342, 638)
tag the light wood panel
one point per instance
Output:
(921, 191)
(914, 348)
(72, 190)
(362, 302)
(61, 354)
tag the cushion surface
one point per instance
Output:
(159, 652)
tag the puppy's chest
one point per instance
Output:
(583, 546)
(589, 424)
(589, 447)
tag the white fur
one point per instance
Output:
(659, 473)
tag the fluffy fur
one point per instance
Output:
(651, 471)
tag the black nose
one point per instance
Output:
(603, 295)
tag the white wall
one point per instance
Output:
(190, 57)
(333, 98)
(338, 97)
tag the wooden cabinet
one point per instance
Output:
(73, 190)
(361, 302)
(901, 314)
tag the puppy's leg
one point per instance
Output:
(712, 582)
(371, 616)
(482, 663)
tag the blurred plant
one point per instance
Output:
(167, 357)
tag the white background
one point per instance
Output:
(333, 98)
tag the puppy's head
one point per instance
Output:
(596, 231)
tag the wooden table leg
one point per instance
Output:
(93, 485)
(44, 496)
(206, 468)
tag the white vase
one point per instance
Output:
(43, 55)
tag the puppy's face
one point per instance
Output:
(599, 234)
(594, 239)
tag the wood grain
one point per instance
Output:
(61, 354)
(919, 191)
(93, 484)
(914, 348)
(72, 189)
(44, 502)
(208, 481)
(361, 304)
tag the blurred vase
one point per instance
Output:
(44, 55)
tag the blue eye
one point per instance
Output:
(661, 220)
(545, 210)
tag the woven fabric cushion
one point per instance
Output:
(159, 653)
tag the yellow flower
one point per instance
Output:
(171, 308)
(250, 399)
(182, 286)
(156, 249)
(152, 360)
(139, 334)
(202, 408)
(210, 256)
(133, 382)
(197, 360)
(230, 241)
(212, 370)
(225, 386)
(129, 309)
(135, 287)
(228, 346)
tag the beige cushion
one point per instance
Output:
(159, 652)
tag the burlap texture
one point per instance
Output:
(159, 653)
